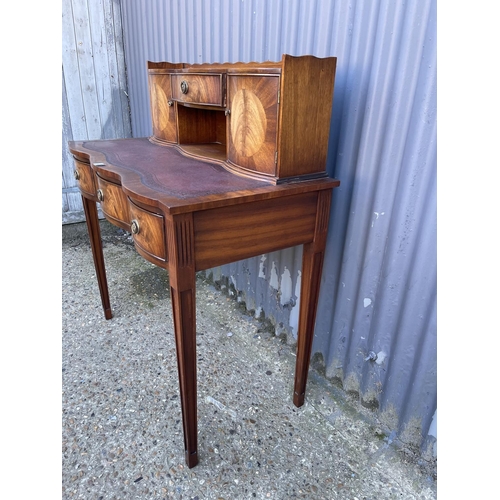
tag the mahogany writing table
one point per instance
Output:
(189, 210)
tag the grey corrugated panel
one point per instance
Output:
(382, 272)
(268, 284)
(379, 281)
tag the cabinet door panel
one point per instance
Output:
(162, 114)
(253, 122)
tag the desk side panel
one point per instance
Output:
(228, 234)
(305, 114)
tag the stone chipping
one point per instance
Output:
(121, 418)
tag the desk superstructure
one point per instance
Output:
(235, 168)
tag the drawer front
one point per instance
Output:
(253, 122)
(148, 232)
(162, 108)
(198, 88)
(85, 178)
(113, 203)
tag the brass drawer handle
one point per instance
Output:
(77, 175)
(134, 227)
(184, 87)
(100, 195)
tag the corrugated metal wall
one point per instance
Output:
(94, 87)
(379, 282)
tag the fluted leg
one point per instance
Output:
(183, 293)
(312, 266)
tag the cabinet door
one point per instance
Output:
(253, 122)
(162, 108)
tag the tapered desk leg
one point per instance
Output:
(92, 219)
(183, 294)
(312, 265)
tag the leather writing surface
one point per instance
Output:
(167, 171)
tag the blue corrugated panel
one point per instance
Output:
(379, 281)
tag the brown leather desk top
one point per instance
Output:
(161, 176)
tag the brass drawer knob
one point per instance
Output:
(184, 87)
(134, 227)
(77, 175)
(100, 195)
(170, 103)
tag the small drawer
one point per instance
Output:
(148, 232)
(85, 178)
(195, 88)
(114, 203)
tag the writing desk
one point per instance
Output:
(187, 211)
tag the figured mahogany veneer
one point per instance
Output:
(211, 187)
(268, 120)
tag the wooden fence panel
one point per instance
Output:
(94, 88)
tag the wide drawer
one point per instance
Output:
(114, 203)
(84, 178)
(148, 232)
(195, 88)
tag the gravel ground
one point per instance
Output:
(121, 418)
